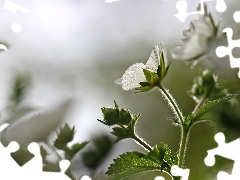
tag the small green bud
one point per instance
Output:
(204, 84)
(209, 79)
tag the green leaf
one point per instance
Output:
(151, 77)
(167, 68)
(159, 71)
(65, 135)
(110, 116)
(143, 89)
(122, 133)
(158, 153)
(131, 163)
(162, 63)
(122, 121)
(192, 118)
(162, 155)
(114, 116)
(145, 84)
(124, 117)
(74, 149)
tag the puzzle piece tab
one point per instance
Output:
(33, 169)
(182, 8)
(236, 16)
(222, 51)
(227, 150)
(159, 178)
(177, 171)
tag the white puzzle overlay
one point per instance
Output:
(33, 169)
(176, 171)
(222, 51)
(182, 8)
(227, 150)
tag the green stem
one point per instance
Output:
(184, 130)
(172, 103)
(142, 143)
(183, 145)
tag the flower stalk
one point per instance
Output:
(172, 103)
(184, 129)
(183, 146)
(142, 143)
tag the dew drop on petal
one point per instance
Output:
(133, 76)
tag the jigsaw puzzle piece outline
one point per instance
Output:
(35, 164)
(236, 16)
(6, 153)
(30, 170)
(222, 51)
(177, 171)
(227, 150)
(159, 178)
(181, 7)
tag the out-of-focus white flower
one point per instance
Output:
(36, 128)
(145, 77)
(200, 40)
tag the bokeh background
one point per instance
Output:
(77, 49)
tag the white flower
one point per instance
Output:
(199, 40)
(144, 77)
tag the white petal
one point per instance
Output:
(133, 76)
(118, 81)
(153, 61)
(196, 41)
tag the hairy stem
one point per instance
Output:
(184, 130)
(172, 103)
(183, 146)
(142, 143)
